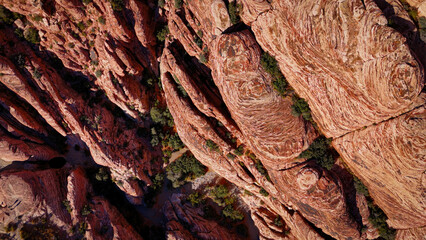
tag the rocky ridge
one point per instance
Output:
(362, 79)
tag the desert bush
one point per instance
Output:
(234, 12)
(178, 4)
(31, 35)
(117, 5)
(320, 151)
(301, 108)
(184, 169)
(212, 146)
(230, 212)
(195, 199)
(263, 192)
(378, 219)
(360, 187)
(270, 65)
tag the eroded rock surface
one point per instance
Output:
(352, 69)
(49, 194)
(389, 158)
(262, 115)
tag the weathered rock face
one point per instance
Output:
(203, 20)
(341, 57)
(411, 234)
(179, 214)
(362, 79)
(262, 115)
(394, 175)
(97, 41)
(323, 195)
(53, 101)
(24, 195)
(195, 129)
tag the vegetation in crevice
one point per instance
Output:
(321, 151)
(234, 10)
(377, 217)
(184, 169)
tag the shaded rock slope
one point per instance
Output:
(313, 109)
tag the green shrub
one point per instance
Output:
(81, 26)
(220, 191)
(230, 156)
(98, 73)
(202, 57)
(184, 169)
(174, 142)
(263, 192)
(278, 222)
(161, 116)
(301, 107)
(195, 199)
(232, 213)
(221, 196)
(37, 18)
(101, 20)
(8, 17)
(262, 170)
(239, 151)
(19, 33)
(86, 210)
(178, 4)
(67, 205)
(422, 28)
(182, 90)
(31, 35)
(198, 41)
(378, 219)
(161, 3)
(212, 146)
(270, 65)
(163, 33)
(320, 151)
(102, 175)
(157, 181)
(36, 74)
(85, 2)
(360, 187)
(117, 5)
(234, 12)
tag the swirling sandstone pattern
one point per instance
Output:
(390, 159)
(342, 58)
(262, 115)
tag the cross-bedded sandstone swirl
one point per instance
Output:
(194, 128)
(319, 197)
(340, 56)
(264, 117)
(389, 158)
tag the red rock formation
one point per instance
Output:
(352, 69)
(95, 40)
(57, 103)
(41, 193)
(179, 214)
(262, 115)
(393, 175)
